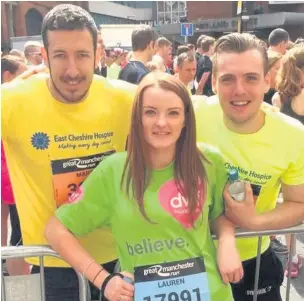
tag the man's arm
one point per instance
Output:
(289, 214)
(202, 82)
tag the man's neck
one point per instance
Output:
(140, 56)
(250, 127)
(206, 54)
(198, 50)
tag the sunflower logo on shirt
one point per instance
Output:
(40, 140)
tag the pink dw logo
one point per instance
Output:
(76, 196)
(173, 201)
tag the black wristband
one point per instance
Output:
(105, 282)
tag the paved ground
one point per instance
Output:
(297, 285)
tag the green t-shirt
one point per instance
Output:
(139, 242)
(266, 159)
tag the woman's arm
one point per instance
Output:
(70, 250)
(229, 263)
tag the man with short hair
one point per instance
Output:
(186, 68)
(143, 46)
(163, 52)
(32, 52)
(278, 41)
(204, 68)
(199, 51)
(243, 130)
(56, 128)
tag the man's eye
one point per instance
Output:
(59, 56)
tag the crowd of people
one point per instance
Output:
(113, 155)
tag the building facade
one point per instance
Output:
(122, 12)
(216, 18)
(24, 18)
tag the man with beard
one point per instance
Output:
(56, 127)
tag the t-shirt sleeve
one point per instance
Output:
(217, 179)
(294, 175)
(89, 208)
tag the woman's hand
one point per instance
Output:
(229, 263)
(118, 289)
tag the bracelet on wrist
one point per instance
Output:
(105, 282)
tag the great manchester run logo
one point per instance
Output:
(40, 141)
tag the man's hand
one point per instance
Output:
(241, 213)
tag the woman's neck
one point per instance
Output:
(161, 158)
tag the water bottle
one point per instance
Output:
(236, 188)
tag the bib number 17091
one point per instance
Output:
(184, 295)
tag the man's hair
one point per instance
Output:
(277, 36)
(29, 45)
(182, 49)
(186, 56)
(199, 40)
(10, 63)
(163, 42)
(206, 43)
(191, 46)
(239, 43)
(142, 37)
(17, 52)
(68, 17)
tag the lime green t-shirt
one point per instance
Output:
(267, 158)
(170, 238)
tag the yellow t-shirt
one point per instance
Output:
(267, 158)
(51, 147)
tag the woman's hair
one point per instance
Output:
(189, 172)
(290, 74)
(273, 57)
(10, 63)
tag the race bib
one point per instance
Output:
(184, 280)
(68, 174)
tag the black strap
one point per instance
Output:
(104, 284)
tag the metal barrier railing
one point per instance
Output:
(41, 251)
(293, 231)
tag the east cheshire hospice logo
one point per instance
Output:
(40, 141)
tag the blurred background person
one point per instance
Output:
(204, 67)
(186, 68)
(290, 100)
(192, 48)
(278, 41)
(274, 64)
(143, 46)
(114, 69)
(18, 53)
(163, 52)
(11, 67)
(32, 52)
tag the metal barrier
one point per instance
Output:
(41, 252)
(293, 231)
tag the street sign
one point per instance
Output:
(186, 29)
